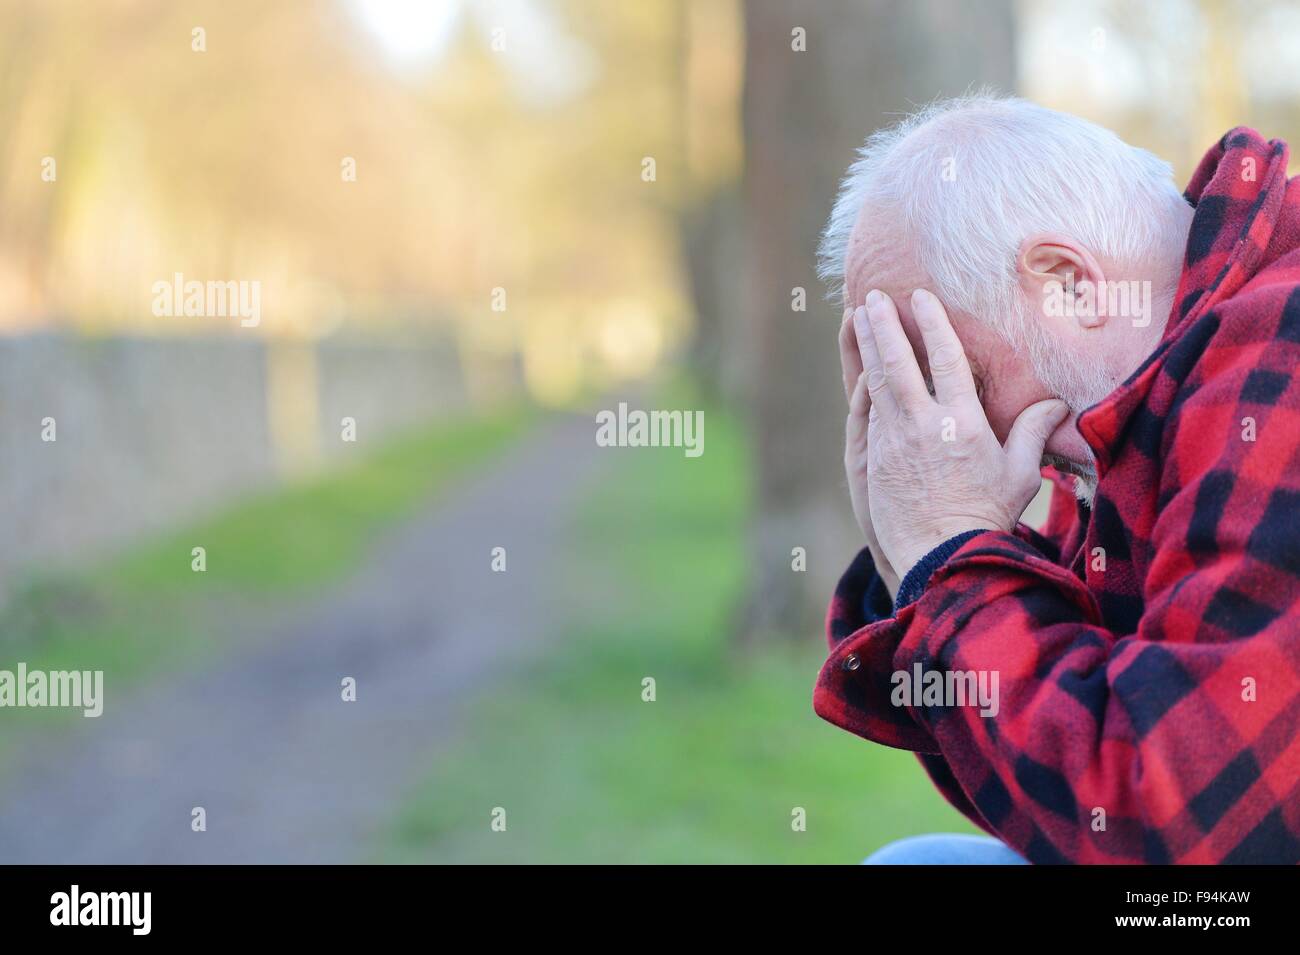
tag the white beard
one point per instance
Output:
(1079, 383)
(1085, 489)
(1085, 476)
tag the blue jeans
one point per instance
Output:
(945, 849)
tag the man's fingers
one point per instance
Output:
(850, 357)
(873, 371)
(897, 360)
(949, 370)
(1024, 445)
(860, 400)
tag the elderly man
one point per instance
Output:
(1023, 289)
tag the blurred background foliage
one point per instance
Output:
(555, 202)
(501, 201)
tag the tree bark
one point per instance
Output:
(805, 113)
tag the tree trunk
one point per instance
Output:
(805, 113)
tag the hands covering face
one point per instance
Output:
(933, 465)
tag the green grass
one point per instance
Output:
(709, 772)
(146, 610)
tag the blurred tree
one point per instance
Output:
(710, 77)
(370, 193)
(819, 77)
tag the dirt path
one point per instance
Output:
(286, 771)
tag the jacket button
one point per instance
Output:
(851, 662)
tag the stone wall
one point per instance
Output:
(150, 432)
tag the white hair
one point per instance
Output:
(962, 183)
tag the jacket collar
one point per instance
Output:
(1237, 191)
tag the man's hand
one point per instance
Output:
(855, 447)
(934, 465)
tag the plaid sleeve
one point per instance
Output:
(1176, 743)
(914, 581)
(861, 597)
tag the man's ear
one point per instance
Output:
(1061, 277)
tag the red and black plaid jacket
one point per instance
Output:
(1148, 649)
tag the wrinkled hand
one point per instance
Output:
(934, 465)
(855, 447)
